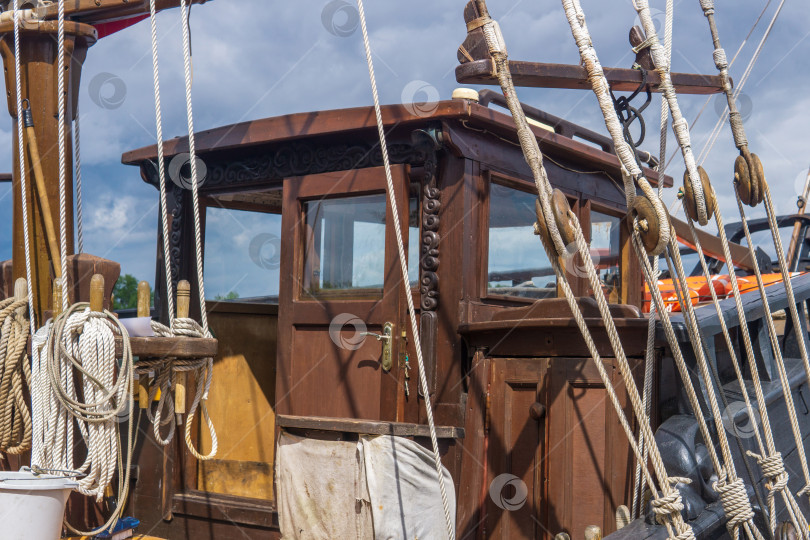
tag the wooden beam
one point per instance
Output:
(575, 77)
(101, 11)
(712, 246)
(366, 427)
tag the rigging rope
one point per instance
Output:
(707, 147)
(649, 356)
(403, 260)
(62, 97)
(731, 488)
(165, 370)
(774, 472)
(79, 194)
(23, 167)
(667, 505)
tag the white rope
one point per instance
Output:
(202, 369)
(185, 7)
(164, 212)
(23, 168)
(62, 97)
(82, 342)
(79, 194)
(403, 260)
(776, 482)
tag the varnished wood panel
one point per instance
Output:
(588, 454)
(517, 444)
(241, 404)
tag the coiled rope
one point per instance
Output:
(15, 376)
(81, 347)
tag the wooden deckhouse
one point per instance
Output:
(514, 389)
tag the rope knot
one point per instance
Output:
(773, 468)
(708, 7)
(736, 504)
(671, 505)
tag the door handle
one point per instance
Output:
(387, 340)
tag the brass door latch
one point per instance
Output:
(387, 340)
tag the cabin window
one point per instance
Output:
(517, 262)
(242, 255)
(606, 253)
(345, 245)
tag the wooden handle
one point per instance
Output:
(183, 298)
(593, 532)
(45, 206)
(21, 292)
(97, 292)
(144, 299)
(183, 301)
(57, 297)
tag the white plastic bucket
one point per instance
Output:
(32, 506)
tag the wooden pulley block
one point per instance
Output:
(689, 195)
(786, 531)
(749, 177)
(475, 44)
(644, 56)
(562, 218)
(649, 226)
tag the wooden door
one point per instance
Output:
(340, 278)
(588, 457)
(516, 446)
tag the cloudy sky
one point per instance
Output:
(259, 58)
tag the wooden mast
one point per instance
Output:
(39, 64)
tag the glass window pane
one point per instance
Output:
(414, 242)
(345, 244)
(517, 264)
(242, 255)
(605, 252)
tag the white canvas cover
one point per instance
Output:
(381, 488)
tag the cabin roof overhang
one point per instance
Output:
(253, 135)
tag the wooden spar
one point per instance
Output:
(39, 179)
(574, 77)
(39, 69)
(39, 63)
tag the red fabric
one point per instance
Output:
(108, 28)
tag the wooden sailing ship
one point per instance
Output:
(516, 396)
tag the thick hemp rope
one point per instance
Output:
(738, 509)
(776, 475)
(649, 356)
(15, 376)
(667, 505)
(601, 88)
(679, 124)
(403, 260)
